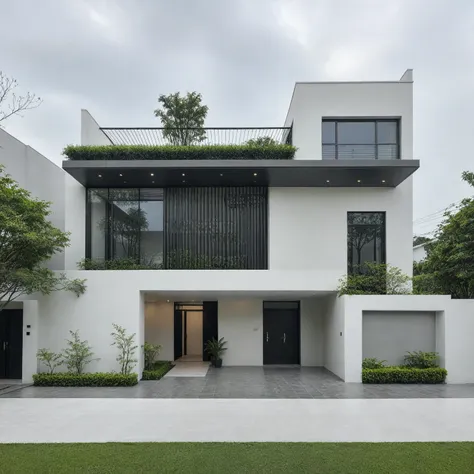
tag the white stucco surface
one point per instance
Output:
(128, 420)
(335, 336)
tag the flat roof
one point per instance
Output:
(276, 173)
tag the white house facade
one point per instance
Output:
(248, 250)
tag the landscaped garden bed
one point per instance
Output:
(98, 379)
(419, 367)
(159, 369)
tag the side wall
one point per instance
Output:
(40, 176)
(90, 131)
(335, 336)
(308, 227)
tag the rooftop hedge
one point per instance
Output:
(172, 152)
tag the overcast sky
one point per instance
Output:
(114, 57)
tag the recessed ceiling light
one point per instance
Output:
(383, 181)
(183, 174)
(255, 174)
(167, 301)
(99, 175)
(124, 182)
(152, 182)
(221, 174)
(152, 174)
(327, 181)
(184, 180)
(120, 174)
(358, 180)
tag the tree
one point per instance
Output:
(27, 241)
(10, 102)
(420, 239)
(182, 118)
(449, 264)
(126, 345)
(262, 141)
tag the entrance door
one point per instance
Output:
(281, 333)
(11, 343)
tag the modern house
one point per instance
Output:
(249, 244)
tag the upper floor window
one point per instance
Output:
(365, 239)
(376, 139)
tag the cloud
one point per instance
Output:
(115, 57)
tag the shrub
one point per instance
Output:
(126, 346)
(50, 359)
(158, 370)
(116, 264)
(85, 380)
(421, 360)
(77, 354)
(150, 352)
(374, 279)
(178, 152)
(404, 375)
(373, 363)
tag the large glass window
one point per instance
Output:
(360, 139)
(126, 224)
(365, 239)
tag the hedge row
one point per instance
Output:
(172, 152)
(99, 379)
(160, 369)
(115, 264)
(404, 375)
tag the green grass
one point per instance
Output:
(230, 458)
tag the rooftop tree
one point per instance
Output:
(182, 118)
(27, 241)
(10, 102)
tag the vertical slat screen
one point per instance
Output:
(216, 227)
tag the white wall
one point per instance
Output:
(240, 322)
(311, 102)
(38, 175)
(312, 312)
(334, 336)
(308, 227)
(159, 327)
(75, 222)
(30, 341)
(90, 131)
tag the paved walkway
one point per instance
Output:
(127, 420)
(253, 382)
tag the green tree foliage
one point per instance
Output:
(375, 279)
(182, 118)
(27, 241)
(77, 354)
(50, 359)
(126, 345)
(262, 141)
(449, 264)
(420, 239)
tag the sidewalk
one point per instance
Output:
(126, 420)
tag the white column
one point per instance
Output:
(352, 341)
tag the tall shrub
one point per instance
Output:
(127, 348)
(77, 354)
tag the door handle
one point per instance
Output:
(267, 336)
(284, 338)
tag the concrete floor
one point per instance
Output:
(254, 383)
(132, 420)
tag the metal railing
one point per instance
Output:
(361, 152)
(198, 136)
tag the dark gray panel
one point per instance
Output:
(216, 227)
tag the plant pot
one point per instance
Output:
(217, 363)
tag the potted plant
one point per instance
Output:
(216, 348)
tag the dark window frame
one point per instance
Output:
(383, 237)
(376, 144)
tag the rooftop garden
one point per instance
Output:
(180, 152)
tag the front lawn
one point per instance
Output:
(231, 458)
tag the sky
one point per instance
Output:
(114, 57)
